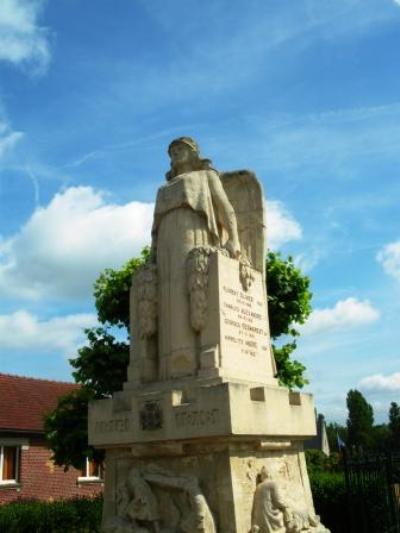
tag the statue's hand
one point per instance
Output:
(233, 247)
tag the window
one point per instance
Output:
(9, 464)
(91, 471)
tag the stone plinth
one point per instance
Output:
(230, 409)
(220, 435)
(225, 470)
(233, 338)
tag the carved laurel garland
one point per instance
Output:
(146, 294)
(197, 282)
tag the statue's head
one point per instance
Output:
(263, 475)
(184, 143)
(185, 154)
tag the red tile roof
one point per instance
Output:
(24, 401)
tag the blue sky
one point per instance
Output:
(303, 92)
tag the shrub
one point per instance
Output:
(330, 499)
(80, 515)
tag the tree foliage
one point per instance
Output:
(111, 292)
(360, 420)
(100, 366)
(289, 296)
(100, 369)
(66, 430)
(289, 304)
(394, 425)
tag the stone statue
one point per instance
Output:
(273, 512)
(268, 506)
(139, 511)
(192, 209)
(143, 505)
(197, 212)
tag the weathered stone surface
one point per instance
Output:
(202, 438)
(227, 409)
(225, 476)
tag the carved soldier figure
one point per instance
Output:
(273, 513)
(269, 506)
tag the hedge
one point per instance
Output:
(330, 499)
(80, 515)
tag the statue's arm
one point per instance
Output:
(225, 213)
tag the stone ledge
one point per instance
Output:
(231, 409)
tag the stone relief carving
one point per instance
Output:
(154, 500)
(197, 280)
(274, 512)
(151, 416)
(146, 294)
(245, 273)
(197, 263)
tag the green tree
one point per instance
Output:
(394, 425)
(380, 439)
(289, 303)
(360, 420)
(100, 366)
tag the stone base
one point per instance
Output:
(203, 486)
(160, 413)
(188, 458)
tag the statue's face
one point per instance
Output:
(179, 153)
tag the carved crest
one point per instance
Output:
(151, 416)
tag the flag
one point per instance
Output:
(341, 444)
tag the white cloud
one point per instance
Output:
(389, 257)
(22, 40)
(381, 383)
(346, 314)
(281, 226)
(63, 246)
(24, 331)
(8, 138)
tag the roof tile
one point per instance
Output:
(24, 401)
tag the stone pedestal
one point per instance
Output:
(217, 436)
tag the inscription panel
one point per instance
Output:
(197, 418)
(243, 321)
(113, 425)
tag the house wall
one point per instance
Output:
(41, 479)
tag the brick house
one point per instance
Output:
(26, 469)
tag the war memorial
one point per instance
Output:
(203, 438)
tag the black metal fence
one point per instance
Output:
(373, 491)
